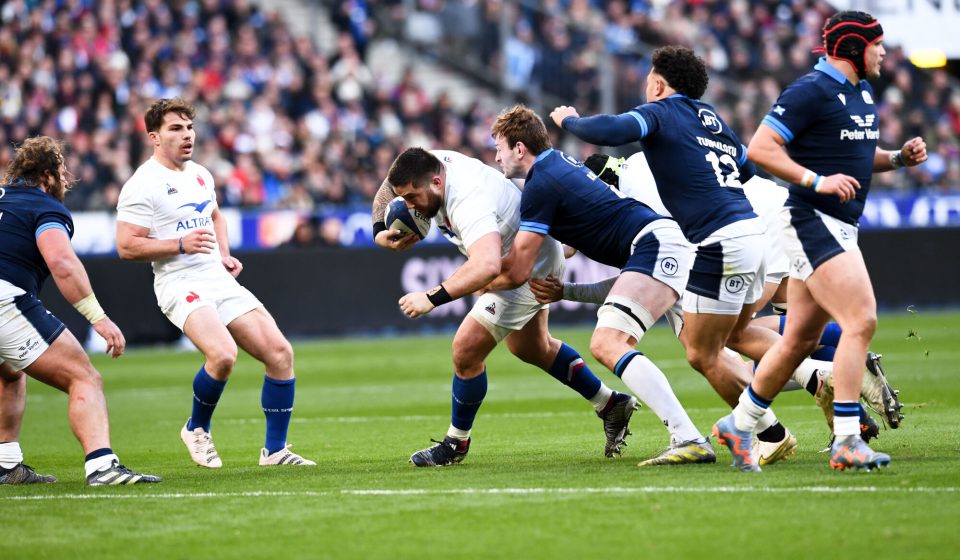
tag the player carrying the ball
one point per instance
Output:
(478, 210)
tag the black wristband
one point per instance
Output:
(182, 252)
(439, 296)
(378, 227)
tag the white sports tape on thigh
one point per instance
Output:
(625, 315)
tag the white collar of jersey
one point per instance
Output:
(543, 154)
(829, 70)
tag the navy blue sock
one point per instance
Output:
(570, 369)
(276, 397)
(831, 335)
(206, 395)
(98, 453)
(467, 397)
(783, 321)
(824, 353)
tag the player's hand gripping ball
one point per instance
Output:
(408, 220)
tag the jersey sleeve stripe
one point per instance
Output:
(643, 123)
(779, 127)
(50, 225)
(743, 155)
(535, 227)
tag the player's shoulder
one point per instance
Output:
(33, 200)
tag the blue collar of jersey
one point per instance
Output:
(543, 154)
(829, 70)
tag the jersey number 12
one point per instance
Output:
(731, 179)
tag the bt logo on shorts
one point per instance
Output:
(192, 297)
(669, 266)
(734, 283)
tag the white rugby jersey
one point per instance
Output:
(479, 200)
(171, 204)
(637, 182)
(767, 199)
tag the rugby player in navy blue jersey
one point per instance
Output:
(821, 136)
(35, 232)
(565, 200)
(698, 163)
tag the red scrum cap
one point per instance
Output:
(847, 35)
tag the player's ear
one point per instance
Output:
(154, 137)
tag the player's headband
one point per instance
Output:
(847, 35)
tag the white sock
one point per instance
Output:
(768, 419)
(650, 385)
(100, 463)
(748, 413)
(10, 454)
(458, 433)
(808, 368)
(602, 397)
(846, 426)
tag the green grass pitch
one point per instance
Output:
(535, 484)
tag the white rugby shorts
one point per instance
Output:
(180, 294)
(27, 330)
(811, 238)
(728, 270)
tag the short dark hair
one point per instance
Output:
(159, 109)
(38, 158)
(682, 69)
(415, 166)
(607, 168)
(521, 124)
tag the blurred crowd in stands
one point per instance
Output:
(285, 121)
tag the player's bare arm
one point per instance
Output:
(393, 239)
(134, 243)
(522, 257)
(766, 149)
(72, 281)
(913, 152)
(482, 266)
(231, 263)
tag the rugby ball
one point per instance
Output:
(408, 220)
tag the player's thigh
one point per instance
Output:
(660, 252)
(806, 319)
(258, 334)
(204, 328)
(471, 346)
(8, 373)
(705, 334)
(842, 287)
(655, 296)
(533, 343)
(63, 363)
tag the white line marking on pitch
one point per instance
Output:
(506, 491)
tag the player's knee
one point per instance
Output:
(221, 360)
(862, 327)
(606, 349)
(701, 360)
(281, 355)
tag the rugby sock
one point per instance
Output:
(783, 321)
(769, 429)
(650, 385)
(99, 460)
(468, 395)
(206, 395)
(831, 335)
(570, 369)
(810, 373)
(276, 397)
(824, 353)
(10, 454)
(846, 418)
(750, 409)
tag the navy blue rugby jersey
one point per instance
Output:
(564, 199)
(25, 213)
(830, 126)
(697, 160)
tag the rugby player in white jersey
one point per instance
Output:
(477, 209)
(168, 214)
